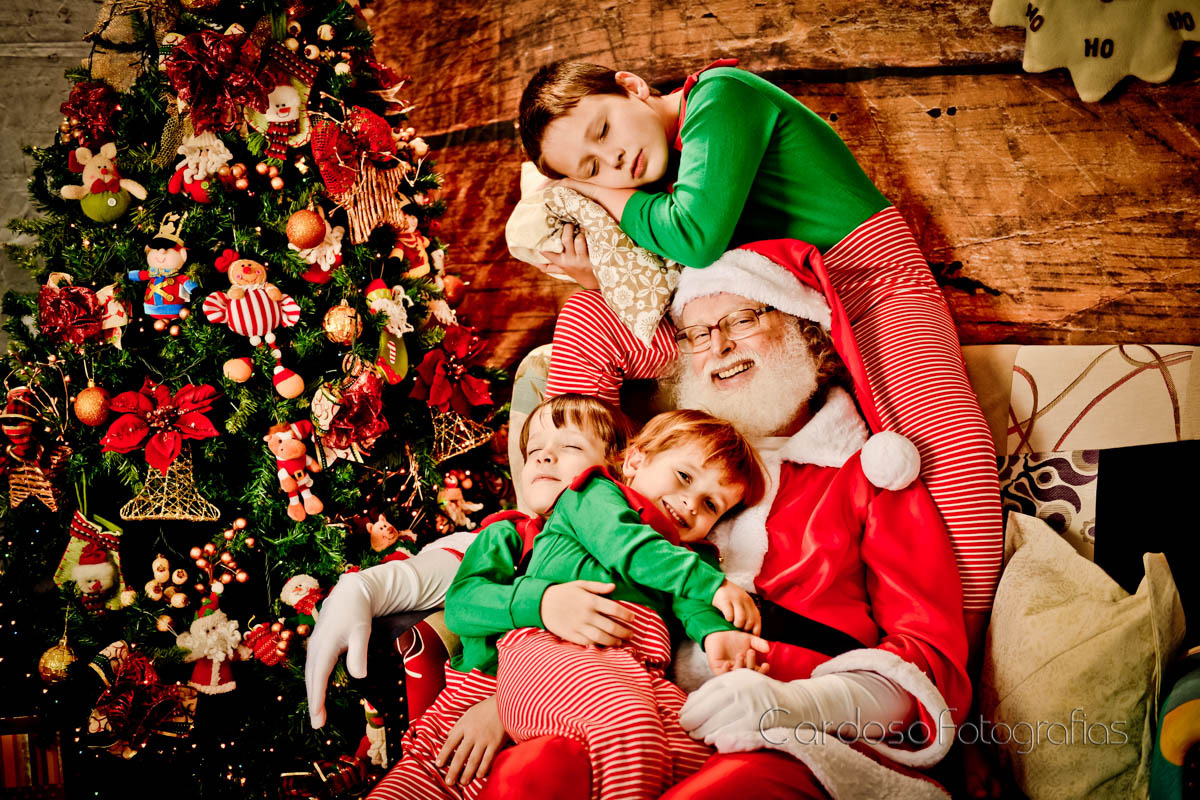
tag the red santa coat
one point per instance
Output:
(829, 543)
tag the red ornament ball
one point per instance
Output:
(305, 229)
(455, 290)
(92, 405)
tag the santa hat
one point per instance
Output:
(790, 275)
(209, 606)
(92, 555)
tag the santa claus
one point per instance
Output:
(848, 554)
(213, 642)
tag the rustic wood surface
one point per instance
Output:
(1048, 220)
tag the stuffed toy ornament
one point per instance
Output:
(213, 642)
(166, 256)
(254, 308)
(95, 575)
(104, 194)
(303, 593)
(203, 155)
(384, 534)
(287, 443)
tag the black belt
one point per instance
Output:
(780, 624)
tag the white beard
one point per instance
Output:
(784, 381)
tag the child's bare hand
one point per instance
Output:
(573, 261)
(738, 607)
(730, 650)
(473, 742)
(578, 612)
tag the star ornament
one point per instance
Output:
(1102, 41)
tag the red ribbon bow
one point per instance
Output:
(338, 149)
(442, 379)
(100, 186)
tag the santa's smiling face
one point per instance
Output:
(283, 104)
(761, 382)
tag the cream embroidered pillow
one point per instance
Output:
(636, 283)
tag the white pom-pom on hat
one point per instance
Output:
(890, 461)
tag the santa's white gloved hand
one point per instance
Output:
(728, 708)
(344, 625)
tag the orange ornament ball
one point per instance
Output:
(92, 405)
(455, 290)
(305, 229)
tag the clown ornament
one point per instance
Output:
(254, 308)
(168, 291)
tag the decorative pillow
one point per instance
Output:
(1072, 668)
(1057, 488)
(636, 283)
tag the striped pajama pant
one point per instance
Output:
(615, 701)
(416, 775)
(913, 362)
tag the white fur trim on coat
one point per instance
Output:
(835, 433)
(843, 772)
(911, 679)
(755, 277)
(890, 461)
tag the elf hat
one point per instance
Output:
(790, 275)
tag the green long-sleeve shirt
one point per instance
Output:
(593, 534)
(755, 164)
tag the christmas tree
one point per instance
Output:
(242, 376)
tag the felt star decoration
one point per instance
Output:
(1102, 41)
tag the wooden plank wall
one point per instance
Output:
(1049, 220)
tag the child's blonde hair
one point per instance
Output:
(718, 441)
(587, 414)
(553, 91)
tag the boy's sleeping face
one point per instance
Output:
(691, 494)
(617, 141)
(554, 457)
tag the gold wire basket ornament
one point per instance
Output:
(172, 496)
(454, 434)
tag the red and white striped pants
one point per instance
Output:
(913, 362)
(613, 700)
(416, 775)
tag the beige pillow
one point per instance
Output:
(1072, 668)
(636, 283)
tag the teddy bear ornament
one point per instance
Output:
(104, 194)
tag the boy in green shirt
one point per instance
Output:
(596, 533)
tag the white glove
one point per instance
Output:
(743, 701)
(344, 625)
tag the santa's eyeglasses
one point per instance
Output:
(735, 325)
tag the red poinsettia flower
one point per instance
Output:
(152, 416)
(442, 378)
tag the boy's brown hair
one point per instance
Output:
(718, 440)
(588, 414)
(554, 90)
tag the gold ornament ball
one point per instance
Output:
(305, 229)
(92, 405)
(277, 183)
(303, 630)
(261, 168)
(241, 184)
(160, 325)
(173, 330)
(55, 663)
(184, 313)
(342, 324)
(163, 623)
(239, 523)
